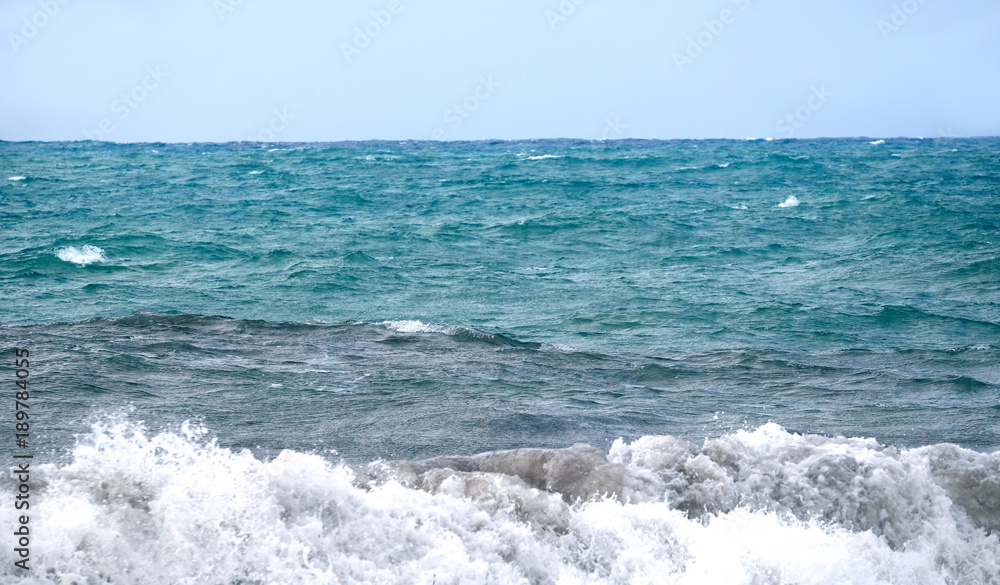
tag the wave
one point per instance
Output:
(459, 333)
(83, 256)
(901, 315)
(215, 324)
(792, 201)
(762, 506)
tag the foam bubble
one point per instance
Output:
(85, 255)
(792, 201)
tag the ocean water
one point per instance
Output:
(752, 362)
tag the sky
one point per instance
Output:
(322, 70)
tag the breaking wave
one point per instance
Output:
(85, 255)
(762, 506)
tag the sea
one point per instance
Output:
(751, 362)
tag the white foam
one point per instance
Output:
(407, 326)
(256, 172)
(86, 255)
(723, 165)
(544, 156)
(877, 142)
(792, 201)
(16, 178)
(777, 508)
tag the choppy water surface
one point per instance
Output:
(385, 353)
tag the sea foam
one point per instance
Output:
(792, 201)
(413, 326)
(764, 506)
(85, 255)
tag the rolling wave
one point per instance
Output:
(761, 506)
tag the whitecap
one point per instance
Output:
(877, 142)
(763, 506)
(86, 255)
(792, 201)
(413, 326)
(544, 156)
(16, 178)
(723, 165)
(256, 172)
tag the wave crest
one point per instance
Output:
(83, 256)
(175, 506)
(457, 332)
(761, 506)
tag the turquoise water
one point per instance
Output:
(664, 279)
(356, 302)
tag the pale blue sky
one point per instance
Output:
(220, 70)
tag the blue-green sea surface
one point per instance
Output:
(505, 362)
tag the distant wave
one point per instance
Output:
(85, 255)
(762, 506)
(16, 178)
(544, 156)
(461, 333)
(213, 324)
